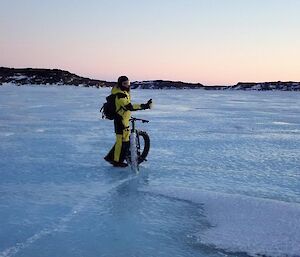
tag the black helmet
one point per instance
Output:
(121, 80)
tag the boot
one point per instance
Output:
(106, 158)
(119, 164)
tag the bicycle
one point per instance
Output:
(136, 154)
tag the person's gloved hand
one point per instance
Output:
(146, 105)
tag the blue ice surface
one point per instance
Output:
(58, 197)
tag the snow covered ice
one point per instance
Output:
(222, 177)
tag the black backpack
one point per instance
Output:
(109, 108)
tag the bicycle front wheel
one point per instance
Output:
(144, 144)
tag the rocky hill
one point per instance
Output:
(279, 85)
(47, 77)
(165, 84)
(30, 76)
(265, 86)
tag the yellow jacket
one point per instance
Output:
(123, 105)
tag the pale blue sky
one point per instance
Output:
(208, 41)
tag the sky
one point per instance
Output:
(214, 42)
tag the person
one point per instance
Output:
(117, 154)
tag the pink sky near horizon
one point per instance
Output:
(252, 42)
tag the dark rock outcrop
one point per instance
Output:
(47, 77)
(165, 84)
(279, 85)
(60, 77)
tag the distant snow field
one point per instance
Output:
(222, 177)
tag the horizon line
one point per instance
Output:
(187, 82)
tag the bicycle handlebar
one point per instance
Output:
(136, 119)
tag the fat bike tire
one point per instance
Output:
(144, 153)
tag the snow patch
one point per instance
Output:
(281, 123)
(18, 77)
(244, 224)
